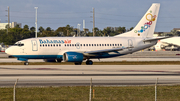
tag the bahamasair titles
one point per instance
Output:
(79, 49)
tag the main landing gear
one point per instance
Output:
(89, 62)
(78, 63)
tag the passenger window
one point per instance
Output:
(72, 44)
(99, 44)
(40, 45)
(94, 44)
(46, 45)
(102, 44)
(89, 44)
(81, 44)
(120, 44)
(115, 44)
(112, 44)
(107, 44)
(86, 44)
(67, 44)
(54, 45)
(59, 44)
(43, 45)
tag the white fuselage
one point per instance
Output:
(55, 47)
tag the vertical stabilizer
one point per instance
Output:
(146, 26)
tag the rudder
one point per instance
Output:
(146, 26)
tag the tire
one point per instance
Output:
(26, 63)
(89, 62)
(59, 60)
(78, 63)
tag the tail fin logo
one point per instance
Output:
(150, 18)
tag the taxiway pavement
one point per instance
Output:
(72, 75)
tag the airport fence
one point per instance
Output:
(93, 92)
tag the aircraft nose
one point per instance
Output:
(9, 51)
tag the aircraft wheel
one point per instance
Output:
(59, 60)
(89, 62)
(78, 63)
(26, 63)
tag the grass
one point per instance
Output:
(99, 63)
(81, 93)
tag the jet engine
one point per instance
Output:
(73, 57)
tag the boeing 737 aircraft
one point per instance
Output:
(173, 42)
(77, 49)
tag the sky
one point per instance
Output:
(108, 13)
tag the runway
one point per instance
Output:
(105, 75)
(101, 60)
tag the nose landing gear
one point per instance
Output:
(89, 62)
(26, 63)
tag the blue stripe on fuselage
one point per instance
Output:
(38, 56)
(61, 56)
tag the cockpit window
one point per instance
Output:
(19, 44)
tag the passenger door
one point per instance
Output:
(34, 45)
(130, 44)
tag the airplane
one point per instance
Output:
(78, 49)
(171, 43)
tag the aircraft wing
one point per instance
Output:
(107, 50)
(155, 39)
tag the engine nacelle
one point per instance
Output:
(73, 57)
(159, 46)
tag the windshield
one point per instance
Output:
(18, 44)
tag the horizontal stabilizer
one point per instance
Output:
(155, 39)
